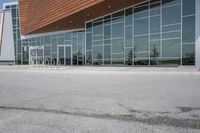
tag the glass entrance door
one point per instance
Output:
(64, 55)
(36, 55)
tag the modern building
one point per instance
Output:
(107, 32)
(6, 39)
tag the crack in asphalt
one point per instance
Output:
(156, 120)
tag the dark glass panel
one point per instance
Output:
(141, 12)
(189, 29)
(155, 24)
(75, 58)
(142, 55)
(171, 48)
(171, 35)
(171, 28)
(170, 61)
(128, 36)
(118, 45)
(188, 54)
(118, 14)
(171, 15)
(107, 52)
(98, 52)
(88, 57)
(188, 7)
(141, 62)
(89, 27)
(47, 50)
(107, 62)
(170, 2)
(155, 49)
(117, 62)
(128, 16)
(118, 56)
(118, 30)
(128, 56)
(107, 32)
(141, 43)
(141, 26)
(89, 41)
(98, 28)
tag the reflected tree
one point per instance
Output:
(99, 59)
(130, 58)
(155, 54)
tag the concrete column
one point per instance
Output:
(197, 34)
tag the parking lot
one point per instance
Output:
(99, 100)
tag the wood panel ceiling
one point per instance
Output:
(39, 16)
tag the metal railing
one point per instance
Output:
(48, 63)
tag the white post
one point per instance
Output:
(197, 34)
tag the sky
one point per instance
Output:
(4, 1)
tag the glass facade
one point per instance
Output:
(16, 30)
(67, 48)
(152, 33)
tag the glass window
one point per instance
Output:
(89, 27)
(141, 43)
(169, 61)
(99, 37)
(61, 41)
(142, 55)
(107, 62)
(97, 43)
(171, 35)
(155, 24)
(170, 2)
(128, 56)
(88, 57)
(107, 41)
(188, 7)
(98, 28)
(118, 56)
(171, 15)
(118, 30)
(155, 49)
(88, 41)
(155, 36)
(171, 28)
(141, 12)
(141, 62)
(14, 13)
(98, 52)
(155, 12)
(117, 62)
(118, 14)
(188, 54)
(47, 51)
(107, 32)
(117, 20)
(118, 45)
(107, 52)
(128, 36)
(141, 26)
(68, 36)
(171, 48)
(107, 20)
(47, 40)
(128, 17)
(155, 5)
(74, 44)
(188, 29)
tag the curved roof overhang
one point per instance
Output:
(40, 16)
